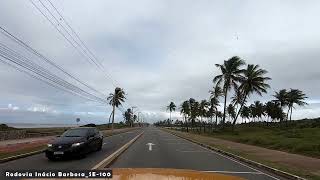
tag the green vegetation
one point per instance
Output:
(299, 137)
(303, 141)
(306, 173)
(4, 127)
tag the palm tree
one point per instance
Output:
(203, 111)
(231, 112)
(269, 107)
(135, 118)
(245, 113)
(115, 99)
(282, 99)
(216, 93)
(274, 110)
(171, 107)
(253, 111)
(219, 115)
(194, 110)
(210, 113)
(229, 77)
(295, 96)
(259, 109)
(252, 81)
(185, 111)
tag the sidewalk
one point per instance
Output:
(295, 162)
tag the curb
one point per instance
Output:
(116, 154)
(11, 158)
(242, 159)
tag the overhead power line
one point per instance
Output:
(45, 59)
(74, 38)
(21, 61)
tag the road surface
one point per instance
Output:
(164, 151)
(170, 151)
(40, 162)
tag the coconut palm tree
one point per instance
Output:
(115, 99)
(194, 110)
(185, 111)
(229, 77)
(171, 107)
(282, 99)
(269, 107)
(295, 96)
(274, 110)
(254, 113)
(128, 117)
(219, 115)
(210, 114)
(245, 113)
(203, 108)
(231, 112)
(216, 93)
(259, 109)
(252, 81)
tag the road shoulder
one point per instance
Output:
(244, 155)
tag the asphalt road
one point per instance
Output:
(40, 162)
(171, 151)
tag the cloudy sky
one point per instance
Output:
(158, 51)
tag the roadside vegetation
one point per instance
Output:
(232, 113)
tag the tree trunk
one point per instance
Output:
(225, 106)
(187, 124)
(291, 113)
(242, 104)
(289, 107)
(109, 119)
(200, 124)
(112, 119)
(288, 115)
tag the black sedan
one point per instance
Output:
(75, 142)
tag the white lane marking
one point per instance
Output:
(150, 146)
(177, 143)
(193, 151)
(230, 159)
(233, 172)
(115, 154)
(104, 143)
(170, 139)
